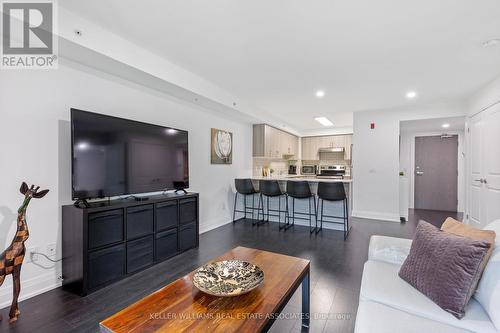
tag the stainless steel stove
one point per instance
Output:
(332, 171)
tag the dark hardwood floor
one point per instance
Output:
(336, 269)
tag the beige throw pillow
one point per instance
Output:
(455, 227)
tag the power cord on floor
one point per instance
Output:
(43, 255)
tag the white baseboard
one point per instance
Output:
(376, 216)
(29, 288)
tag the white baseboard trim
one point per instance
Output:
(29, 288)
(326, 225)
(376, 216)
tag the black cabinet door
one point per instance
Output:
(188, 237)
(105, 228)
(166, 244)
(140, 221)
(106, 265)
(139, 253)
(188, 211)
(166, 215)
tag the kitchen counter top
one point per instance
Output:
(311, 179)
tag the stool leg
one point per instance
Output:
(321, 221)
(267, 220)
(258, 209)
(287, 214)
(311, 230)
(315, 215)
(234, 209)
(279, 212)
(253, 206)
(344, 204)
(293, 211)
(245, 206)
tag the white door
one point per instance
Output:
(491, 153)
(475, 187)
(484, 177)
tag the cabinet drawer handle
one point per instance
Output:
(139, 211)
(97, 217)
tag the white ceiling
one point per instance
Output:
(276, 54)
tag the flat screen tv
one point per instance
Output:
(114, 156)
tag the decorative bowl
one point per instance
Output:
(228, 278)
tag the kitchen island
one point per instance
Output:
(330, 208)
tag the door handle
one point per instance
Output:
(479, 180)
(419, 173)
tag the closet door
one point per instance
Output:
(475, 186)
(484, 167)
(491, 165)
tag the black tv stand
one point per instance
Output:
(180, 190)
(82, 203)
(109, 241)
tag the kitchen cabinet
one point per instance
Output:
(273, 143)
(348, 147)
(312, 144)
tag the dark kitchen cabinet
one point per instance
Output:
(110, 240)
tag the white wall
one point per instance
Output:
(484, 98)
(35, 147)
(376, 157)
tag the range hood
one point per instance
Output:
(331, 150)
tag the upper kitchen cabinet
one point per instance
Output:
(312, 144)
(273, 143)
(348, 147)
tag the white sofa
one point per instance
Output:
(388, 304)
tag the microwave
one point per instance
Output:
(309, 169)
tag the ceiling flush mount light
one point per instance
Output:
(320, 93)
(491, 42)
(445, 126)
(411, 94)
(324, 121)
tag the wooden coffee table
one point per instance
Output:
(181, 307)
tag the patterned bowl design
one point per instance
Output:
(228, 278)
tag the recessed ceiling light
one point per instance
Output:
(411, 94)
(324, 121)
(445, 125)
(320, 93)
(491, 42)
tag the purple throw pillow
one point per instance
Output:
(444, 267)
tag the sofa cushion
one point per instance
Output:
(488, 291)
(458, 228)
(381, 283)
(389, 249)
(374, 317)
(444, 266)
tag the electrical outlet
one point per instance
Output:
(31, 256)
(51, 250)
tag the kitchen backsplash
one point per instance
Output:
(280, 167)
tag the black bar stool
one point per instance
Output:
(333, 192)
(271, 189)
(245, 187)
(301, 190)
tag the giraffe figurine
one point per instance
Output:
(12, 258)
